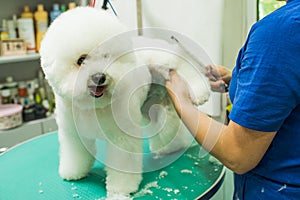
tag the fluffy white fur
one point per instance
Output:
(115, 116)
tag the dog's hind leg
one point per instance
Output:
(168, 134)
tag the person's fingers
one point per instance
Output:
(211, 77)
(209, 68)
(212, 73)
(217, 86)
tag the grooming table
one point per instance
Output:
(30, 171)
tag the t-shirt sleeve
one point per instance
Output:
(267, 83)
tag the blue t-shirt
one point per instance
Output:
(265, 92)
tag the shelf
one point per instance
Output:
(26, 131)
(13, 59)
(29, 123)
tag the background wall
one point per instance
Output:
(238, 16)
(219, 26)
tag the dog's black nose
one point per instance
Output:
(98, 78)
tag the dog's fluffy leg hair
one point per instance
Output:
(75, 160)
(123, 169)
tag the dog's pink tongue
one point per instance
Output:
(97, 91)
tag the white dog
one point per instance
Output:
(104, 91)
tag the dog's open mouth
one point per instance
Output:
(97, 90)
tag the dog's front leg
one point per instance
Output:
(123, 169)
(75, 160)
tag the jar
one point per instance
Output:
(22, 89)
(12, 86)
(1, 86)
(6, 96)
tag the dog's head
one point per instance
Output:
(67, 52)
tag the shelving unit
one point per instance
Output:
(24, 68)
(14, 59)
(27, 130)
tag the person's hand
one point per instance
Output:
(178, 91)
(219, 78)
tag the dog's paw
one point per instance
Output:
(199, 99)
(72, 176)
(72, 173)
(118, 182)
(160, 73)
(118, 197)
(199, 91)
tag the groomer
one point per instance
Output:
(261, 143)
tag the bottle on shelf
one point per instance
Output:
(12, 86)
(83, 3)
(37, 95)
(22, 89)
(27, 13)
(4, 32)
(6, 96)
(22, 94)
(63, 8)
(15, 20)
(11, 29)
(55, 12)
(41, 22)
(71, 5)
(26, 31)
(1, 86)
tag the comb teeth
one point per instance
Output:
(202, 67)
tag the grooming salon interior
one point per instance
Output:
(29, 145)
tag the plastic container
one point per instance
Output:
(6, 96)
(26, 13)
(22, 89)
(15, 20)
(26, 31)
(28, 113)
(11, 29)
(55, 12)
(1, 86)
(41, 24)
(71, 5)
(83, 3)
(12, 86)
(10, 116)
(4, 32)
(63, 8)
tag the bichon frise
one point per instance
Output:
(104, 91)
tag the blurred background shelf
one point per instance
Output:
(14, 59)
(26, 131)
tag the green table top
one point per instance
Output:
(30, 171)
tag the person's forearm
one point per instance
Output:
(222, 142)
(209, 134)
(205, 130)
(237, 147)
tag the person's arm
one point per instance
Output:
(238, 148)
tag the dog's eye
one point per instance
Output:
(81, 59)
